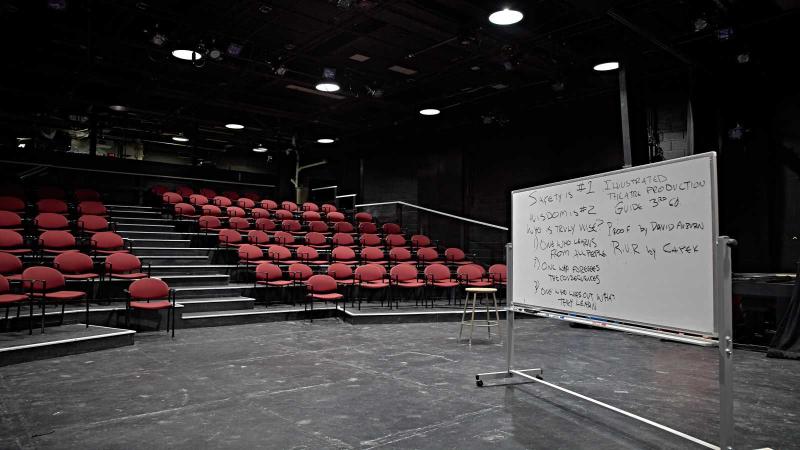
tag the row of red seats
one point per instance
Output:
(52, 205)
(233, 237)
(221, 201)
(52, 221)
(186, 191)
(42, 192)
(253, 254)
(60, 241)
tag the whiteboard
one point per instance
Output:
(634, 245)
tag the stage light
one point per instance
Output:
(606, 66)
(506, 16)
(260, 149)
(234, 126)
(328, 82)
(180, 138)
(325, 141)
(429, 111)
(119, 108)
(186, 55)
(234, 49)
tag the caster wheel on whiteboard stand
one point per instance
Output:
(479, 383)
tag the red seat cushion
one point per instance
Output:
(15, 277)
(445, 284)
(129, 276)
(49, 250)
(411, 284)
(276, 282)
(80, 276)
(111, 252)
(160, 304)
(375, 284)
(6, 299)
(347, 282)
(63, 295)
(480, 284)
(16, 251)
(331, 296)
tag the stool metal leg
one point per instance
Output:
(497, 317)
(463, 315)
(488, 316)
(472, 320)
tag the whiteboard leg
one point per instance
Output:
(725, 330)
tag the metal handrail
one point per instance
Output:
(441, 213)
(115, 172)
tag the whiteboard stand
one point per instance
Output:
(723, 299)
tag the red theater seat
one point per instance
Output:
(310, 206)
(456, 256)
(198, 199)
(269, 205)
(498, 273)
(207, 193)
(284, 238)
(367, 228)
(125, 266)
(292, 226)
(10, 266)
(239, 223)
(259, 213)
(13, 243)
(185, 210)
(428, 255)
(8, 298)
(258, 237)
(265, 224)
(400, 255)
(75, 266)
(327, 208)
(57, 241)
(405, 276)
(280, 255)
(323, 287)
(318, 226)
(87, 195)
(316, 240)
(342, 273)
(363, 217)
(245, 203)
(92, 208)
(395, 240)
(438, 275)
(171, 198)
(51, 221)
(13, 204)
(151, 294)
(269, 274)
(184, 191)
(52, 205)
(420, 240)
(10, 221)
(230, 238)
(250, 254)
(310, 216)
(372, 255)
(334, 216)
(92, 224)
(473, 275)
(235, 211)
(211, 210)
(108, 242)
(309, 255)
(46, 284)
(343, 227)
(391, 228)
(370, 240)
(344, 255)
(282, 214)
(343, 240)
(289, 206)
(232, 195)
(222, 202)
(209, 223)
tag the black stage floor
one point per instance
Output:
(334, 385)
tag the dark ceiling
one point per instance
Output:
(66, 61)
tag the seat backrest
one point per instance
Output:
(343, 227)
(471, 271)
(310, 206)
(259, 213)
(267, 271)
(342, 239)
(328, 208)
(321, 284)
(73, 262)
(391, 228)
(265, 224)
(254, 196)
(246, 203)
(283, 214)
(9, 203)
(10, 219)
(249, 252)
(184, 191)
(371, 254)
(367, 228)
(310, 216)
(92, 223)
(149, 289)
(498, 272)
(404, 272)
(159, 190)
(171, 198)
(454, 254)
(427, 254)
(40, 278)
(290, 225)
(315, 238)
(289, 205)
(228, 236)
(437, 272)
(370, 272)
(257, 237)
(340, 271)
(123, 263)
(399, 254)
(222, 201)
(211, 210)
(92, 208)
(395, 240)
(370, 240)
(279, 253)
(233, 195)
(299, 272)
(269, 204)
(235, 211)
(10, 264)
(87, 195)
(185, 209)
(107, 240)
(51, 192)
(208, 193)
(239, 223)
(306, 253)
(335, 216)
(51, 221)
(283, 238)
(420, 240)
(52, 205)
(343, 254)
(206, 222)
(198, 199)
(363, 217)
(57, 239)
(4, 286)
(10, 239)
(318, 226)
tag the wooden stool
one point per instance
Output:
(481, 323)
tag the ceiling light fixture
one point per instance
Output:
(234, 126)
(119, 108)
(429, 111)
(180, 138)
(186, 55)
(325, 141)
(606, 66)
(260, 149)
(328, 82)
(506, 16)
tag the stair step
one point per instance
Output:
(241, 317)
(143, 227)
(205, 305)
(134, 207)
(213, 291)
(19, 347)
(191, 270)
(135, 213)
(183, 280)
(153, 234)
(161, 260)
(172, 243)
(177, 251)
(143, 220)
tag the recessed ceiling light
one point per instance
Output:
(506, 16)
(606, 66)
(180, 139)
(327, 86)
(234, 126)
(186, 55)
(325, 141)
(120, 108)
(260, 149)
(429, 111)
(359, 57)
(403, 70)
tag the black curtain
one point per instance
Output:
(786, 343)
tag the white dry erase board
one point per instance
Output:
(634, 245)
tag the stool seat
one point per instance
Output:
(481, 290)
(472, 322)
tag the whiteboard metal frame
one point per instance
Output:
(723, 324)
(647, 328)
